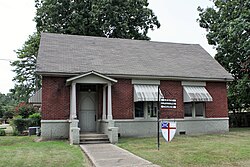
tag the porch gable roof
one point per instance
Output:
(68, 81)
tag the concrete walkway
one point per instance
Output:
(109, 155)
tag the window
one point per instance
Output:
(88, 88)
(194, 109)
(139, 109)
(188, 109)
(146, 109)
(152, 108)
(199, 109)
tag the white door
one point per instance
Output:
(87, 111)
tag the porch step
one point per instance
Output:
(93, 142)
(93, 138)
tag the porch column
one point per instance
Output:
(110, 117)
(73, 101)
(104, 102)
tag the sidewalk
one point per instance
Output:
(109, 155)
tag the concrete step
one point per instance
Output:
(93, 142)
(93, 138)
(91, 135)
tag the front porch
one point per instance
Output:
(91, 107)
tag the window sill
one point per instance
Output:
(194, 118)
(149, 118)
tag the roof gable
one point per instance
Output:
(99, 78)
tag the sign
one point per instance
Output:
(168, 103)
(168, 130)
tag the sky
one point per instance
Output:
(177, 18)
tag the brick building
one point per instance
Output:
(111, 86)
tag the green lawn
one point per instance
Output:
(20, 151)
(231, 149)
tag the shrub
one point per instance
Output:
(25, 110)
(20, 124)
(15, 132)
(8, 115)
(2, 132)
(35, 119)
(1, 111)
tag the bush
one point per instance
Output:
(8, 115)
(35, 119)
(1, 111)
(21, 124)
(2, 132)
(15, 132)
(25, 110)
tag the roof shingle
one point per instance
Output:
(72, 54)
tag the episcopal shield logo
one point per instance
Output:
(168, 130)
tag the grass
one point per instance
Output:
(22, 151)
(230, 149)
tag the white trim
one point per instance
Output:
(144, 77)
(190, 83)
(196, 119)
(145, 82)
(109, 116)
(136, 120)
(172, 119)
(54, 121)
(73, 101)
(73, 120)
(170, 77)
(104, 102)
(89, 73)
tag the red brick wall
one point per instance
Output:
(173, 90)
(218, 107)
(122, 99)
(55, 98)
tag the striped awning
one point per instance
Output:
(146, 93)
(196, 93)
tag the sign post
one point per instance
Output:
(158, 120)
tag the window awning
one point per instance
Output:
(146, 93)
(196, 93)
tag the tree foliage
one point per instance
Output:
(26, 79)
(107, 18)
(228, 27)
(6, 104)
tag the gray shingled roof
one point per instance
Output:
(72, 54)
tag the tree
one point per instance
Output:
(107, 18)
(26, 79)
(6, 104)
(228, 27)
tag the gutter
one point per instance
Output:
(181, 78)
